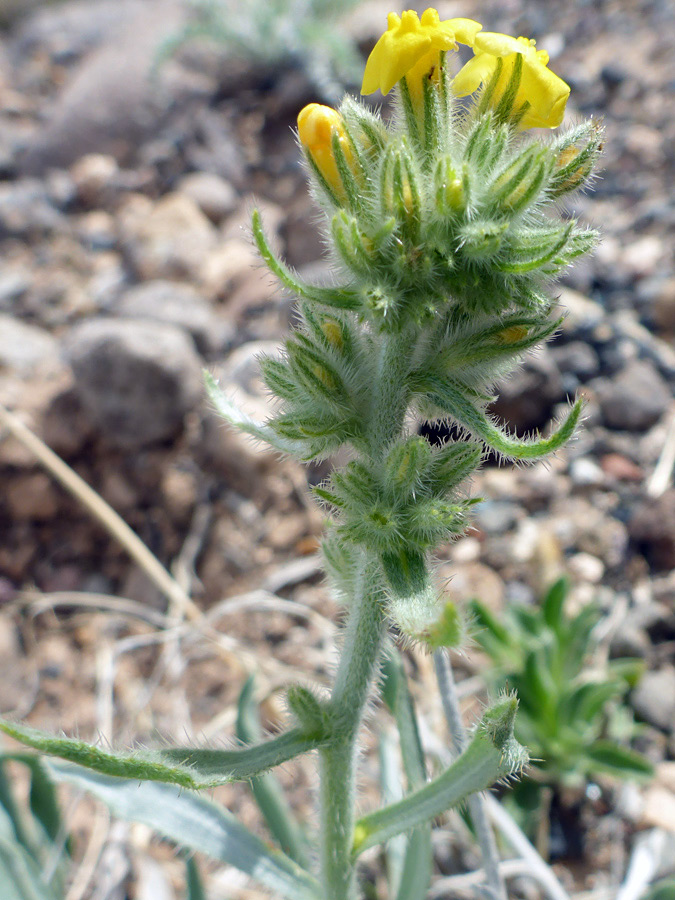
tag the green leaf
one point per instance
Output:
(619, 760)
(194, 823)
(242, 421)
(20, 873)
(414, 866)
(340, 298)
(493, 754)
(662, 890)
(452, 399)
(195, 889)
(266, 789)
(188, 767)
(554, 602)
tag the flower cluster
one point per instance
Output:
(444, 247)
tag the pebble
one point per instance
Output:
(25, 348)
(136, 380)
(654, 698)
(585, 567)
(636, 399)
(168, 239)
(652, 528)
(177, 303)
(585, 472)
(213, 195)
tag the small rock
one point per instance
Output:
(654, 698)
(213, 195)
(26, 210)
(577, 357)
(179, 304)
(169, 239)
(652, 528)
(31, 497)
(618, 467)
(586, 472)
(25, 348)
(497, 516)
(636, 399)
(91, 175)
(585, 567)
(136, 380)
(473, 581)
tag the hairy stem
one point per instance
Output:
(358, 664)
(361, 648)
(476, 802)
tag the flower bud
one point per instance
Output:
(322, 133)
(400, 194)
(519, 185)
(575, 157)
(450, 188)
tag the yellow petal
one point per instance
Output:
(407, 41)
(477, 71)
(547, 95)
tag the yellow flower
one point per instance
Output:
(412, 47)
(545, 93)
(317, 125)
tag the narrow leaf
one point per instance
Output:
(195, 823)
(195, 889)
(451, 398)
(240, 420)
(337, 297)
(493, 753)
(188, 767)
(619, 760)
(266, 789)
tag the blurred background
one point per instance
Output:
(136, 136)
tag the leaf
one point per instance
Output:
(195, 823)
(266, 789)
(554, 602)
(193, 881)
(189, 767)
(414, 868)
(619, 760)
(20, 874)
(451, 398)
(240, 420)
(493, 754)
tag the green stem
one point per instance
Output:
(362, 644)
(358, 664)
(391, 393)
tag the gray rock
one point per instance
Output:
(578, 358)
(169, 239)
(111, 103)
(652, 528)
(178, 304)
(26, 210)
(136, 379)
(654, 699)
(636, 399)
(497, 516)
(213, 195)
(25, 348)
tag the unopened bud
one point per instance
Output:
(575, 157)
(322, 133)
